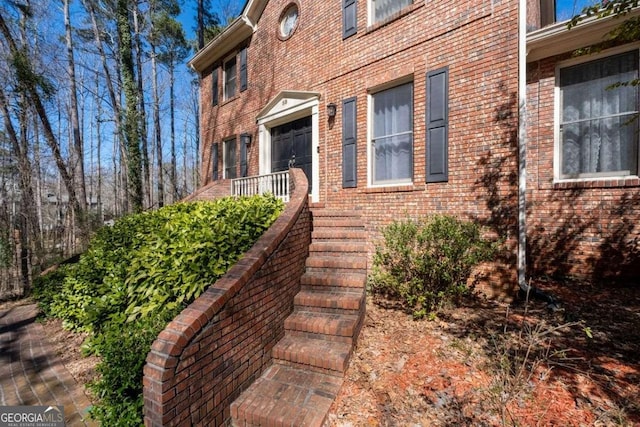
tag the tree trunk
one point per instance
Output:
(174, 178)
(77, 159)
(131, 123)
(142, 113)
(157, 129)
(31, 92)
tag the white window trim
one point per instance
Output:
(224, 157)
(370, 171)
(557, 99)
(224, 77)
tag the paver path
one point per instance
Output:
(30, 372)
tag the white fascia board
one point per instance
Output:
(556, 39)
(238, 31)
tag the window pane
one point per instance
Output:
(393, 134)
(393, 158)
(598, 135)
(382, 9)
(230, 78)
(230, 159)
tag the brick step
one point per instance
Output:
(338, 246)
(346, 262)
(331, 280)
(339, 301)
(286, 396)
(339, 222)
(323, 213)
(313, 354)
(320, 324)
(339, 234)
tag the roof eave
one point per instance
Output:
(233, 35)
(557, 39)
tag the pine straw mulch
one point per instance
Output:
(482, 364)
(488, 363)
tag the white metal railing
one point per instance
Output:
(276, 183)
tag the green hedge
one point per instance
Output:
(137, 275)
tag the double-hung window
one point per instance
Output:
(230, 78)
(229, 159)
(598, 129)
(381, 10)
(392, 135)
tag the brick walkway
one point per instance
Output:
(30, 374)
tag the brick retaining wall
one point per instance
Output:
(218, 345)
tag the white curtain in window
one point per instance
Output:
(598, 133)
(385, 8)
(393, 134)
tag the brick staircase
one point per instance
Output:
(320, 334)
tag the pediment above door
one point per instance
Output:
(286, 105)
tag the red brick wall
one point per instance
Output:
(588, 229)
(476, 39)
(218, 345)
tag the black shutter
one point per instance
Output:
(349, 18)
(437, 125)
(214, 86)
(243, 69)
(243, 156)
(349, 133)
(214, 161)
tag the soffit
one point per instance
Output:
(557, 39)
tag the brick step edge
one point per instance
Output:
(338, 246)
(335, 262)
(286, 396)
(330, 324)
(320, 277)
(315, 354)
(347, 301)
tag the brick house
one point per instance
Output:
(391, 109)
(407, 108)
(584, 191)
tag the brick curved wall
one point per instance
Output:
(218, 345)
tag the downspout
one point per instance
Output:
(522, 145)
(525, 288)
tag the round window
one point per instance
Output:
(289, 20)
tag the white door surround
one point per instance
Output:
(285, 107)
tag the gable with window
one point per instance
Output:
(598, 126)
(391, 142)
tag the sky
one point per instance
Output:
(566, 9)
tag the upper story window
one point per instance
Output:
(380, 10)
(229, 159)
(230, 78)
(392, 135)
(598, 125)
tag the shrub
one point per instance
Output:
(425, 264)
(140, 273)
(123, 349)
(47, 286)
(159, 260)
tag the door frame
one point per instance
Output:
(286, 107)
